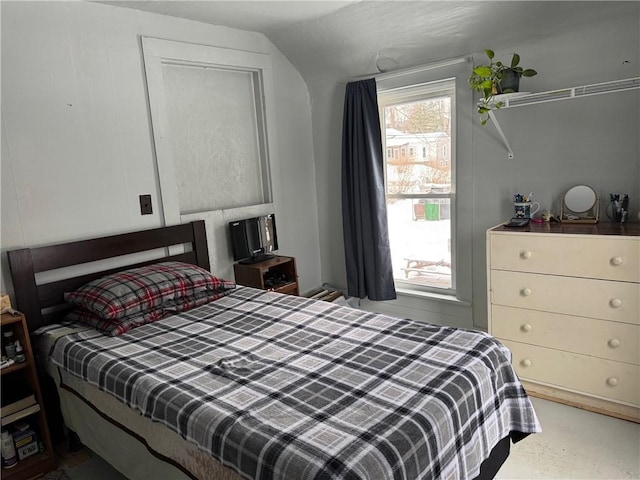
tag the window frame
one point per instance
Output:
(417, 92)
(469, 223)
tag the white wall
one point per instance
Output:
(592, 140)
(77, 149)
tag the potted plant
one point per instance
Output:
(496, 78)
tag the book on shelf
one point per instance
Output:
(25, 412)
(17, 405)
(15, 397)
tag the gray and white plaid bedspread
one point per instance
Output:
(283, 387)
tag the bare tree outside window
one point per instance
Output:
(419, 186)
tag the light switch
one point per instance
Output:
(145, 205)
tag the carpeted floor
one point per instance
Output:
(66, 461)
(59, 474)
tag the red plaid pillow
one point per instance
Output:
(187, 303)
(145, 289)
(114, 327)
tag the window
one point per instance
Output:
(420, 191)
(186, 82)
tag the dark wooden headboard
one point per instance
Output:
(43, 303)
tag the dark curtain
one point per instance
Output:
(364, 211)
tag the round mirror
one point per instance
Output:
(580, 198)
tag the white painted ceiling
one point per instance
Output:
(354, 38)
(257, 16)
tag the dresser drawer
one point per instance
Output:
(573, 255)
(617, 301)
(595, 376)
(599, 338)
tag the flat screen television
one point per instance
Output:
(253, 239)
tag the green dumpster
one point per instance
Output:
(432, 211)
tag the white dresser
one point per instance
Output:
(565, 299)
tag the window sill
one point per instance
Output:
(438, 297)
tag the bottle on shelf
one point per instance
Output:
(8, 342)
(20, 356)
(9, 458)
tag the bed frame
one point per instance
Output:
(43, 302)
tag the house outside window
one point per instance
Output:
(420, 191)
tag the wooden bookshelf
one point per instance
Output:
(17, 373)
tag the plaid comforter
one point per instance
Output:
(283, 387)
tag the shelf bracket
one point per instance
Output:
(493, 118)
(519, 100)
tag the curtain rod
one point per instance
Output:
(411, 70)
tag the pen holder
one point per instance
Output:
(525, 209)
(618, 209)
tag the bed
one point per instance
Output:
(257, 384)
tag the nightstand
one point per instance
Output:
(22, 403)
(277, 274)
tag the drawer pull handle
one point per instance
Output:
(612, 381)
(526, 362)
(614, 343)
(615, 303)
(526, 327)
(525, 255)
(526, 292)
(615, 261)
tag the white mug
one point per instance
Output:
(525, 209)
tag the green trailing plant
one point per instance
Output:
(488, 80)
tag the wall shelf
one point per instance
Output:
(510, 101)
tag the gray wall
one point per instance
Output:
(77, 146)
(591, 140)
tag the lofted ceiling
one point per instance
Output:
(351, 38)
(257, 16)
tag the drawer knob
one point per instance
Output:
(526, 327)
(615, 303)
(615, 261)
(614, 343)
(612, 381)
(526, 292)
(526, 362)
(525, 255)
